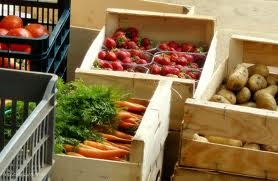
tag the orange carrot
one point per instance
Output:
(118, 145)
(131, 106)
(68, 148)
(121, 134)
(110, 137)
(102, 154)
(127, 125)
(125, 114)
(98, 145)
(74, 154)
(130, 120)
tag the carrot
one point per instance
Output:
(131, 106)
(130, 120)
(125, 114)
(121, 134)
(110, 137)
(74, 154)
(102, 154)
(98, 145)
(68, 148)
(121, 146)
(127, 125)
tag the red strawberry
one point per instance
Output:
(121, 54)
(141, 61)
(193, 74)
(189, 58)
(127, 60)
(155, 69)
(165, 61)
(174, 57)
(118, 34)
(102, 54)
(131, 32)
(186, 47)
(165, 70)
(173, 44)
(117, 66)
(105, 64)
(164, 46)
(131, 45)
(109, 43)
(134, 52)
(122, 41)
(194, 65)
(182, 61)
(146, 42)
(111, 56)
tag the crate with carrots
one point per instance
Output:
(111, 129)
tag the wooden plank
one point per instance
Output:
(91, 14)
(229, 159)
(185, 173)
(195, 29)
(73, 169)
(232, 121)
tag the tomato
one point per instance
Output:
(3, 32)
(20, 32)
(11, 21)
(37, 30)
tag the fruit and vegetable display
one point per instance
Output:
(126, 50)
(251, 86)
(96, 121)
(13, 26)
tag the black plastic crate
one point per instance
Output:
(48, 53)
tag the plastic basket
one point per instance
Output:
(48, 53)
(27, 153)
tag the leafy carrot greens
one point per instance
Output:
(79, 108)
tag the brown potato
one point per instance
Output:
(271, 80)
(238, 78)
(249, 104)
(266, 101)
(243, 95)
(252, 146)
(256, 82)
(272, 90)
(224, 141)
(229, 95)
(219, 98)
(258, 69)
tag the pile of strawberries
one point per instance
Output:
(125, 50)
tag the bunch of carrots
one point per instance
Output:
(116, 142)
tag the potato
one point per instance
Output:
(238, 78)
(271, 80)
(256, 82)
(270, 148)
(196, 137)
(266, 101)
(272, 90)
(252, 146)
(229, 95)
(224, 141)
(219, 98)
(249, 104)
(258, 69)
(243, 95)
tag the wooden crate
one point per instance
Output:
(195, 29)
(145, 147)
(91, 14)
(233, 121)
(183, 173)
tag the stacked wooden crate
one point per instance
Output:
(200, 160)
(193, 29)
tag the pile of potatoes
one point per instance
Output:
(249, 86)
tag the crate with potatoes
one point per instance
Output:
(231, 127)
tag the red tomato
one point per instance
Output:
(3, 32)
(11, 22)
(37, 30)
(20, 32)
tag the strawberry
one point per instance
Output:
(131, 32)
(182, 61)
(186, 47)
(117, 66)
(105, 64)
(155, 69)
(121, 54)
(102, 54)
(164, 47)
(193, 65)
(110, 43)
(173, 44)
(146, 42)
(127, 60)
(122, 41)
(193, 74)
(165, 61)
(111, 56)
(165, 70)
(141, 61)
(134, 52)
(189, 58)
(118, 34)
(131, 45)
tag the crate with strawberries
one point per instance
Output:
(127, 50)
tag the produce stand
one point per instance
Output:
(193, 127)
